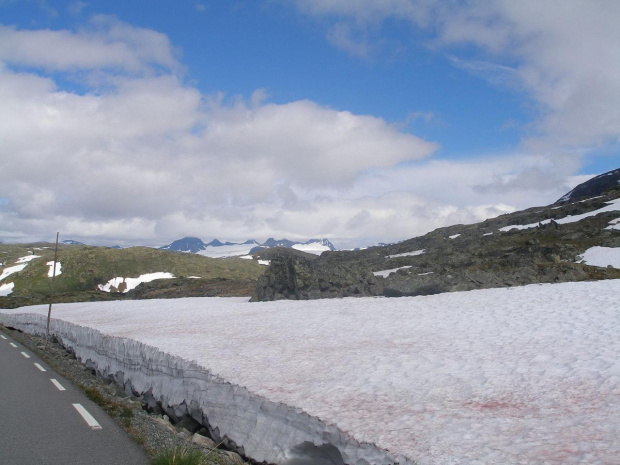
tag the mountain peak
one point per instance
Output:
(187, 244)
(219, 249)
(593, 187)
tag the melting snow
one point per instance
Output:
(260, 262)
(386, 273)
(614, 205)
(454, 236)
(11, 269)
(27, 258)
(132, 283)
(407, 254)
(614, 224)
(6, 289)
(519, 375)
(50, 272)
(602, 256)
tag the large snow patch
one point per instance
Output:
(522, 375)
(602, 256)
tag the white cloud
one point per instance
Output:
(146, 149)
(565, 54)
(568, 60)
(343, 37)
(144, 157)
(107, 43)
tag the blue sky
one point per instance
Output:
(360, 121)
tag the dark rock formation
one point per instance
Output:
(593, 187)
(456, 258)
(300, 276)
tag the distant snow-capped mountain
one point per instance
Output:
(187, 244)
(314, 246)
(218, 249)
(71, 242)
(593, 187)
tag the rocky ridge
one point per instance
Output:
(460, 257)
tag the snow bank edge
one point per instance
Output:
(260, 429)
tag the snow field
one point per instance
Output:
(498, 376)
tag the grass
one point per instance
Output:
(111, 407)
(85, 267)
(124, 414)
(186, 456)
(179, 456)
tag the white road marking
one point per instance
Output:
(25, 355)
(14, 345)
(2, 336)
(88, 418)
(39, 367)
(57, 384)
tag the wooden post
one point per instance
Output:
(49, 312)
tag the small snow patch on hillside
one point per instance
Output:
(6, 289)
(386, 273)
(27, 258)
(407, 254)
(11, 269)
(614, 224)
(454, 236)
(50, 272)
(120, 284)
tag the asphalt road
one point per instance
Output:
(41, 424)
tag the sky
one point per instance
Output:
(359, 121)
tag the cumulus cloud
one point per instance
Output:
(146, 149)
(143, 157)
(108, 43)
(564, 54)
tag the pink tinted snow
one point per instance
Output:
(522, 375)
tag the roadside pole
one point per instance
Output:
(49, 312)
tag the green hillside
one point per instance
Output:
(86, 267)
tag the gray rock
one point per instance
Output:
(543, 254)
(203, 441)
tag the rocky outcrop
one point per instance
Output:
(595, 186)
(457, 258)
(300, 276)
